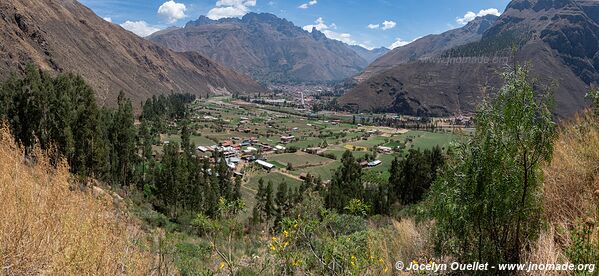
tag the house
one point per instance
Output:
(287, 139)
(250, 150)
(279, 148)
(202, 149)
(226, 143)
(364, 164)
(384, 150)
(265, 165)
(233, 160)
(312, 150)
(266, 148)
(374, 163)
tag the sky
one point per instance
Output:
(368, 23)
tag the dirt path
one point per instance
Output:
(290, 175)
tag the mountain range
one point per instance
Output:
(267, 48)
(369, 55)
(559, 39)
(65, 36)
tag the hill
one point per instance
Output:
(430, 46)
(268, 48)
(560, 40)
(65, 36)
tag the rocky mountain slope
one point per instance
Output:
(558, 38)
(429, 46)
(65, 36)
(268, 48)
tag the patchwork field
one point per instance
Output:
(220, 119)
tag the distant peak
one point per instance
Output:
(316, 34)
(538, 5)
(262, 17)
(481, 24)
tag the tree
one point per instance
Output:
(257, 211)
(346, 183)
(122, 138)
(282, 202)
(486, 202)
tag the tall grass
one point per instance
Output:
(570, 181)
(573, 175)
(46, 227)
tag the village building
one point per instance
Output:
(287, 139)
(374, 163)
(279, 149)
(265, 165)
(384, 150)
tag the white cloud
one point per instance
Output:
(230, 8)
(400, 42)
(388, 24)
(469, 16)
(327, 30)
(108, 19)
(373, 26)
(140, 28)
(172, 11)
(307, 5)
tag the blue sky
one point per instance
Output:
(370, 23)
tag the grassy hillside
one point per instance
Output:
(47, 228)
(571, 194)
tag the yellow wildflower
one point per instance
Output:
(222, 265)
(285, 233)
(273, 248)
(274, 238)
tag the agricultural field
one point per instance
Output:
(221, 120)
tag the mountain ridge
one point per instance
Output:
(65, 36)
(558, 38)
(266, 47)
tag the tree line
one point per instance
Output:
(59, 114)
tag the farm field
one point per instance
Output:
(300, 159)
(219, 120)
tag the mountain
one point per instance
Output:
(65, 36)
(268, 48)
(369, 55)
(558, 38)
(430, 46)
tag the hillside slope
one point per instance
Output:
(65, 36)
(429, 46)
(558, 38)
(268, 48)
(47, 227)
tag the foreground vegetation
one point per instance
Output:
(521, 189)
(47, 228)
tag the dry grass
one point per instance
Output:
(572, 176)
(405, 241)
(569, 183)
(45, 228)
(546, 251)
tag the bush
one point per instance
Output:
(492, 187)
